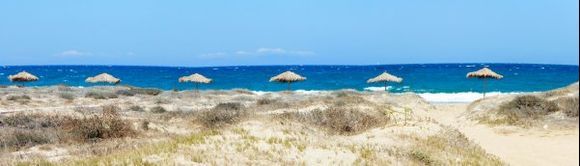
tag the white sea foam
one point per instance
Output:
(460, 97)
(378, 88)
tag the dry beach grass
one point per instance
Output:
(147, 126)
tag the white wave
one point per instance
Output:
(460, 97)
(374, 88)
(301, 91)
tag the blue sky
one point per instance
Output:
(217, 33)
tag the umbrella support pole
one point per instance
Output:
(289, 87)
(484, 87)
(385, 86)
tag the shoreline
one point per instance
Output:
(433, 97)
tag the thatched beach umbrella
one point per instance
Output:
(195, 78)
(103, 78)
(484, 74)
(384, 78)
(287, 77)
(22, 77)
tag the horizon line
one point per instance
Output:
(274, 65)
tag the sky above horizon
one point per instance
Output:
(302, 32)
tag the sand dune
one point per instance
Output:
(242, 127)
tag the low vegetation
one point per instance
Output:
(339, 120)
(67, 95)
(18, 97)
(157, 109)
(569, 106)
(222, 114)
(24, 130)
(100, 95)
(145, 91)
(450, 147)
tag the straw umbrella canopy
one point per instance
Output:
(484, 74)
(103, 78)
(287, 77)
(22, 77)
(195, 78)
(385, 78)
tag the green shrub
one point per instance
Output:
(223, 114)
(94, 128)
(125, 93)
(67, 96)
(18, 97)
(137, 108)
(569, 106)
(265, 101)
(157, 110)
(145, 91)
(21, 138)
(100, 95)
(339, 120)
(526, 107)
(32, 121)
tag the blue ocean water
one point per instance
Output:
(421, 78)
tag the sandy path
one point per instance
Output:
(521, 148)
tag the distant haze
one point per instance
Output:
(225, 33)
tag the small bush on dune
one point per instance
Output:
(145, 91)
(569, 106)
(526, 107)
(137, 108)
(32, 121)
(449, 147)
(223, 114)
(18, 138)
(339, 120)
(157, 110)
(100, 95)
(64, 88)
(94, 128)
(21, 130)
(125, 93)
(67, 96)
(264, 101)
(18, 97)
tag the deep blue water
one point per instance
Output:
(432, 78)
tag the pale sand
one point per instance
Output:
(307, 144)
(527, 148)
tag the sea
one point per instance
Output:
(436, 82)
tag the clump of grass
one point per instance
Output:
(22, 130)
(18, 138)
(64, 88)
(94, 128)
(339, 120)
(18, 97)
(145, 91)
(123, 92)
(100, 95)
(32, 121)
(222, 114)
(265, 101)
(67, 96)
(522, 109)
(137, 108)
(569, 106)
(450, 147)
(157, 109)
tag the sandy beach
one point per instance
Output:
(136, 126)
